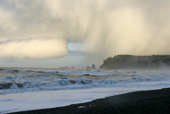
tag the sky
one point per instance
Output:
(56, 33)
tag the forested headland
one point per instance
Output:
(133, 61)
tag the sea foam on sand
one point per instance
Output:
(48, 94)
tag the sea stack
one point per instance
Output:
(93, 67)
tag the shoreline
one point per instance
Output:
(140, 102)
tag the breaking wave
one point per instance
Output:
(35, 80)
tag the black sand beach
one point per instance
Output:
(142, 102)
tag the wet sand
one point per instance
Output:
(142, 102)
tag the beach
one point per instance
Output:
(140, 102)
(84, 56)
(56, 91)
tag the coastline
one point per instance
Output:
(140, 102)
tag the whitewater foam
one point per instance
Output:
(34, 80)
(35, 89)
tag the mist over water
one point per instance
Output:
(103, 27)
(48, 34)
(31, 89)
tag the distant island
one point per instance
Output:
(133, 61)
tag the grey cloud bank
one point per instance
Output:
(104, 27)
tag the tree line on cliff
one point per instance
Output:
(133, 61)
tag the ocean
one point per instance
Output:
(24, 89)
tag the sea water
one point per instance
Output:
(24, 89)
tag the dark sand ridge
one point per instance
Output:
(142, 102)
